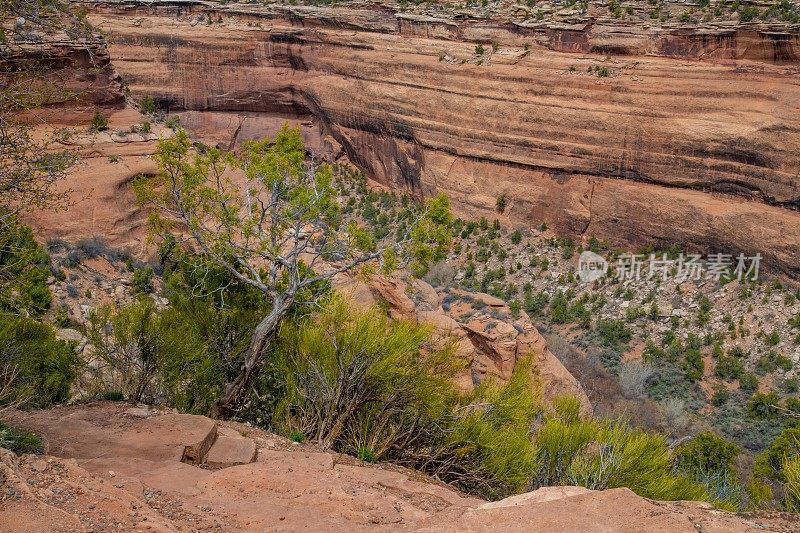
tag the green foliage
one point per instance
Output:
(728, 368)
(706, 452)
(704, 311)
(694, 364)
(147, 105)
(721, 395)
(763, 405)
(489, 436)
(24, 269)
(430, 237)
(99, 122)
(502, 202)
(516, 237)
(615, 333)
(602, 454)
(791, 488)
(770, 463)
(748, 13)
(356, 379)
(131, 342)
(266, 228)
(19, 441)
(534, 303)
(39, 367)
(709, 460)
(113, 396)
(748, 382)
(142, 280)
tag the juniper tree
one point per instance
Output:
(272, 221)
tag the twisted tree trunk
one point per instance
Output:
(233, 393)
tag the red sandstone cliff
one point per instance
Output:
(667, 148)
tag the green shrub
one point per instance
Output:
(694, 364)
(131, 342)
(721, 395)
(113, 396)
(709, 460)
(614, 332)
(748, 13)
(748, 382)
(769, 464)
(489, 437)
(99, 122)
(43, 367)
(704, 311)
(147, 105)
(706, 452)
(774, 338)
(356, 379)
(502, 202)
(791, 487)
(142, 280)
(19, 441)
(602, 454)
(24, 269)
(764, 405)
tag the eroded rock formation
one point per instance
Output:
(692, 137)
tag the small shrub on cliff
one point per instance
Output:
(502, 202)
(748, 13)
(142, 280)
(99, 122)
(614, 332)
(709, 460)
(147, 105)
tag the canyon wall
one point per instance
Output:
(692, 137)
(73, 77)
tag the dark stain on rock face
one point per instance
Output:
(783, 46)
(559, 176)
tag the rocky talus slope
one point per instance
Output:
(112, 467)
(639, 133)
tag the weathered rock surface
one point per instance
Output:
(491, 343)
(692, 137)
(289, 488)
(230, 449)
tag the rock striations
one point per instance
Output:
(642, 135)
